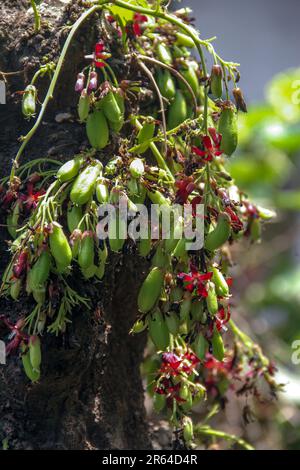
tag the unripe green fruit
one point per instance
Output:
(83, 106)
(111, 108)
(15, 289)
(144, 246)
(228, 128)
(87, 251)
(156, 197)
(97, 129)
(184, 40)
(144, 135)
(217, 345)
(102, 192)
(217, 237)
(89, 272)
(40, 271)
(29, 101)
(150, 290)
(31, 374)
(59, 247)
(158, 330)
(178, 111)
(138, 327)
(35, 352)
(188, 429)
(74, 216)
(69, 170)
(221, 285)
(84, 185)
(164, 54)
(211, 300)
(186, 395)
(166, 84)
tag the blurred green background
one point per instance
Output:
(267, 168)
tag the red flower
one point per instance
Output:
(99, 55)
(173, 365)
(170, 364)
(138, 20)
(236, 222)
(16, 334)
(195, 281)
(211, 146)
(185, 187)
(20, 265)
(31, 198)
(194, 202)
(167, 387)
(222, 317)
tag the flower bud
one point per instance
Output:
(93, 81)
(239, 99)
(79, 85)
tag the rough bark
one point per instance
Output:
(90, 395)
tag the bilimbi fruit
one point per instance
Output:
(111, 108)
(158, 330)
(35, 352)
(97, 129)
(220, 234)
(69, 170)
(228, 128)
(178, 111)
(74, 217)
(40, 271)
(59, 247)
(164, 54)
(216, 81)
(211, 299)
(32, 374)
(83, 106)
(217, 345)
(29, 101)
(188, 429)
(144, 135)
(102, 191)
(221, 285)
(84, 185)
(87, 250)
(166, 84)
(150, 290)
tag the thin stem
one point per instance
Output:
(175, 73)
(51, 88)
(222, 435)
(159, 158)
(161, 103)
(37, 17)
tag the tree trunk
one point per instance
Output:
(90, 395)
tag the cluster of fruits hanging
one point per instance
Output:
(160, 129)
